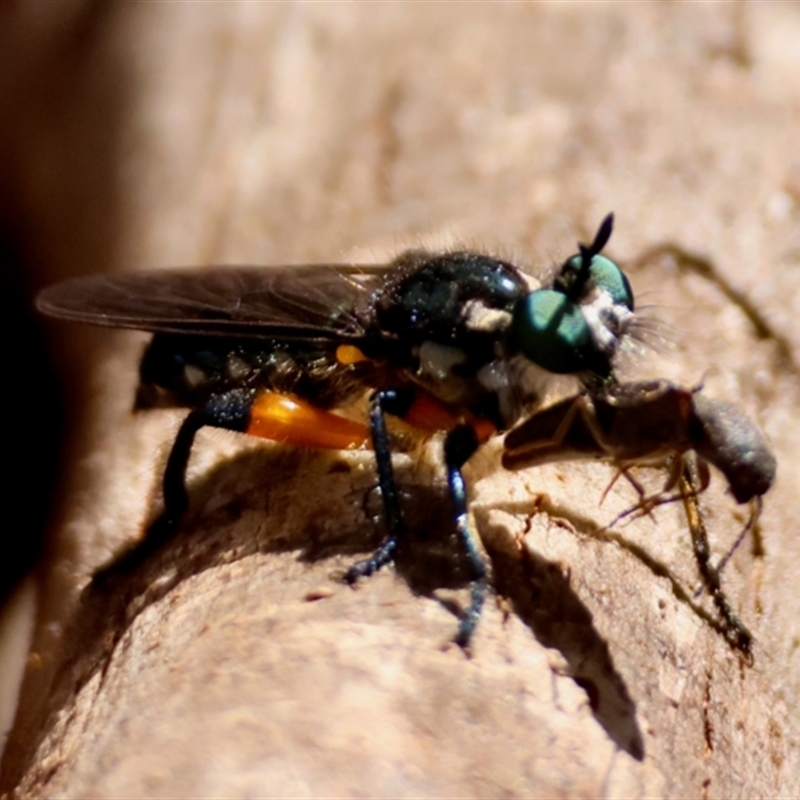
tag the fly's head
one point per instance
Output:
(577, 324)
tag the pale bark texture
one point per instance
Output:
(232, 662)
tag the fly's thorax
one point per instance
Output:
(483, 374)
(461, 299)
(442, 318)
(466, 374)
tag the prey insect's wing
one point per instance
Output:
(300, 302)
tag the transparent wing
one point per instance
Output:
(303, 302)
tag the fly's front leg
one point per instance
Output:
(459, 446)
(395, 402)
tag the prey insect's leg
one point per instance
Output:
(460, 444)
(646, 503)
(397, 403)
(735, 632)
(756, 505)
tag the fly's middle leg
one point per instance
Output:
(460, 444)
(397, 403)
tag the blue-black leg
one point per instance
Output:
(459, 446)
(230, 410)
(395, 402)
(176, 498)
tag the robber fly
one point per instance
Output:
(657, 423)
(453, 342)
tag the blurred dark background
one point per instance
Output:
(62, 91)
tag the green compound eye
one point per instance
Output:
(588, 270)
(609, 278)
(577, 324)
(604, 274)
(552, 331)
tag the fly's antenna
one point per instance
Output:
(600, 241)
(575, 272)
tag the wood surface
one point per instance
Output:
(232, 663)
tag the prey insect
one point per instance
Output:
(455, 342)
(658, 423)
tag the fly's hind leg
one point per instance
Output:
(230, 410)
